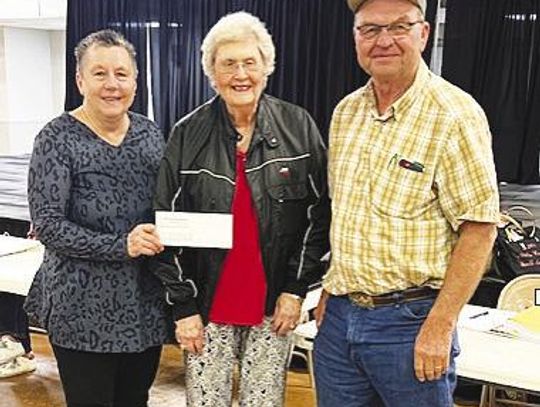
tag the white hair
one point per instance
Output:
(236, 27)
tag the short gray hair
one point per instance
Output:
(234, 27)
(104, 38)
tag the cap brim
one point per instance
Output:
(355, 4)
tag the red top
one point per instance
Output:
(241, 290)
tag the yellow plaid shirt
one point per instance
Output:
(402, 183)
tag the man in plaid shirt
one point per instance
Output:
(414, 207)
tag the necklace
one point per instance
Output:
(115, 139)
(242, 141)
(245, 133)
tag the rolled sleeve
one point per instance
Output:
(466, 177)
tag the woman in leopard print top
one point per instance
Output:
(91, 183)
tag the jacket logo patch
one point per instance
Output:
(285, 172)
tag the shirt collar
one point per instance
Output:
(400, 106)
(262, 128)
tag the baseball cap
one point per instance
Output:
(354, 5)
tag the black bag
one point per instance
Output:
(517, 247)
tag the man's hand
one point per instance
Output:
(321, 308)
(190, 333)
(467, 264)
(432, 349)
(286, 314)
(143, 240)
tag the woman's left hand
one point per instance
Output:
(286, 314)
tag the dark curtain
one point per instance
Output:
(316, 62)
(491, 50)
(178, 81)
(315, 59)
(125, 16)
(529, 164)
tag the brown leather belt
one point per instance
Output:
(395, 297)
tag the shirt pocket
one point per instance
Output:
(287, 188)
(397, 191)
(205, 191)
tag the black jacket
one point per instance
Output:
(286, 171)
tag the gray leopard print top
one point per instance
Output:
(85, 195)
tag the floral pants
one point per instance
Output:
(261, 356)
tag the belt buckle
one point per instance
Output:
(362, 300)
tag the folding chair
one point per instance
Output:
(305, 332)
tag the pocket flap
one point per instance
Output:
(288, 192)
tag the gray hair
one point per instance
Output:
(234, 27)
(104, 38)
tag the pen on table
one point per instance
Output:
(501, 332)
(479, 315)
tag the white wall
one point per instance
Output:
(18, 8)
(52, 8)
(32, 69)
(32, 78)
(58, 69)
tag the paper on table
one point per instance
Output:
(529, 318)
(194, 229)
(525, 324)
(11, 245)
(501, 322)
(483, 319)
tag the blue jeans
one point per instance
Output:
(364, 357)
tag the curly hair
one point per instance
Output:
(235, 27)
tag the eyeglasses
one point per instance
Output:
(397, 29)
(231, 67)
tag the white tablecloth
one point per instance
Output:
(493, 358)
(17, 270)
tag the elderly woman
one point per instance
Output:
(262, 160)
(91, 183)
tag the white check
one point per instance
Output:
(194, 229)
